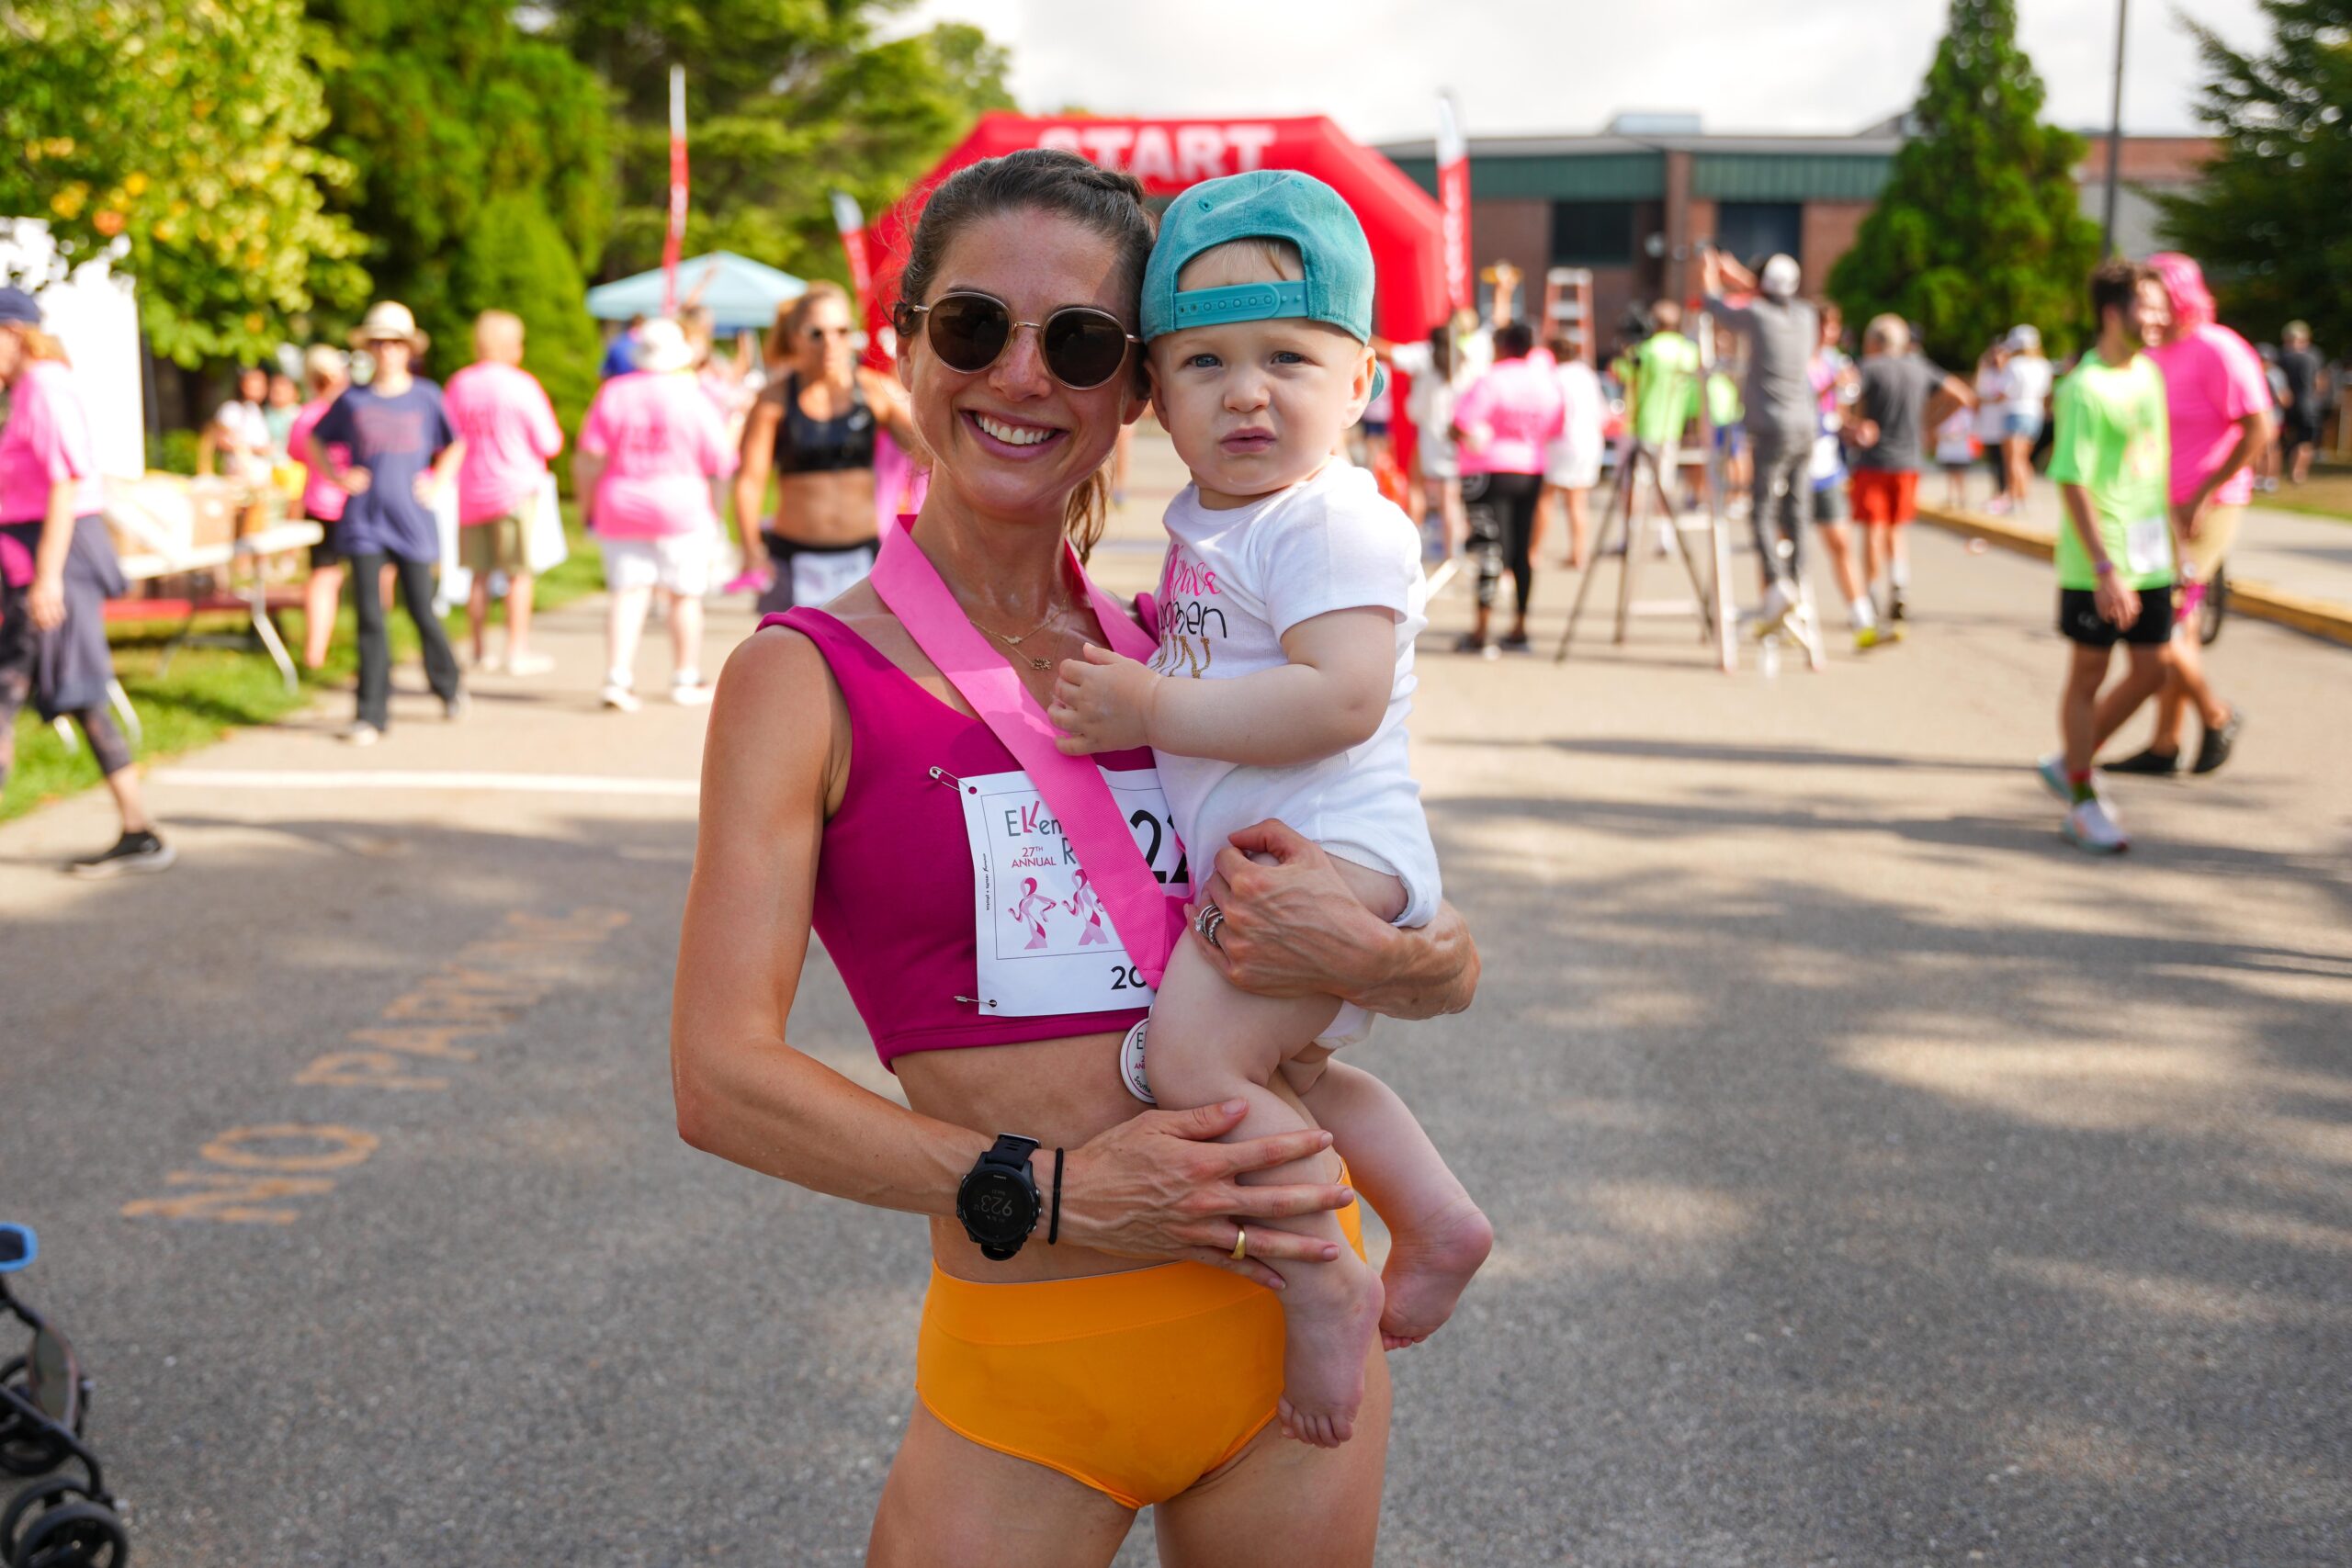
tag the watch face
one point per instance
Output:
(998, 1206)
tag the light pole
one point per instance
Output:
(2114, 140)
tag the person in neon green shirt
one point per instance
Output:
(2117, 562)
(1664, 391)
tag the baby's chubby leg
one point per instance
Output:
(1212, 1042)
(1437, 1235)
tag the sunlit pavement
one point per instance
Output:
(1878, 1180)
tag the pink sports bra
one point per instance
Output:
(894, 883)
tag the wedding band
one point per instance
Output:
(1240, 1244)
(1202, 917)
(1211, 922)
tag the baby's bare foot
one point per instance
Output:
(1327, 1319)
(1427, 1270)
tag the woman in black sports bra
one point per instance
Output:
(814, 430)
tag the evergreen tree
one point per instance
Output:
(1981, 227)
(2271, 221)
(786, 102)
(483, 167)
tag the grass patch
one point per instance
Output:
(2327, 494)
(210, 691)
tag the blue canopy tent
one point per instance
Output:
(740, 293)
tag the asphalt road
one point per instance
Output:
(1878, 1181)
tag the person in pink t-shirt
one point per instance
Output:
(325, 370)
(2219, 401)
(652, 454)
(1502, 423)
(504, 416)
(57, 570)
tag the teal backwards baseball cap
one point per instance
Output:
(1263, 204)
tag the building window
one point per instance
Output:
(1592, 233)
(1751, 231)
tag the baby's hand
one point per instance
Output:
(1100, 702)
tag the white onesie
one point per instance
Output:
(1234, 582)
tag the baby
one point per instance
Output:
(1291, 599)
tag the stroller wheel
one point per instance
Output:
(34, 1499)
(30, 1452)
(79, 1535)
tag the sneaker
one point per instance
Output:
(2214, 749)
(1471, 642)
(359, 732)
(1513, 642)
(748, 582)
(2090, 825)
(2052, 772)
(620, 698)
(1895, 609)
(2149, 763)
(528, 663)
(456, 704)
(1867, 638)
(132, 854)
(690, 693)
(1774, 613)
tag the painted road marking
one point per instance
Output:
(478, 996)
(517, 784)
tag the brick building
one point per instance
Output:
(1629, 202)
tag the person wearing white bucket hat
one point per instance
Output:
(389, 447)
(652, 454)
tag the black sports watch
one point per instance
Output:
(996, 1200)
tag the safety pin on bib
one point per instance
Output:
(941, 775)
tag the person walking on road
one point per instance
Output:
(1435, 457)
(1782, 414)
(1502, 424)
(503, 415)
(400, 461)
(2026, 382)
(2219, 408)
(1993, 423)
(327, 373)
(1903, 397)
(57, 570)
(652, 458)
(2299, 410)
(814, 430)
(1572, 461)
(2116, 562)
(1100, 1342)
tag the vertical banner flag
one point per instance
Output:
(850, 223)
(676, 233)
(1453, 197)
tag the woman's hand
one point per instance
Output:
(1159, 1186)
(45, 602)
(1292, 929)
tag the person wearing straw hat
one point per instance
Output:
(652, 454)
(399, 460)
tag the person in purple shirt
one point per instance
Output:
(402, 459)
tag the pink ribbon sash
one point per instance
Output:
(1148, 917)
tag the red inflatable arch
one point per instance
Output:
(1400, 218)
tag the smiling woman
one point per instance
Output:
(860, 758)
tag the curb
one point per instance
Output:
(2299, 611)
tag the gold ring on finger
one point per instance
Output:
(1242, 1244)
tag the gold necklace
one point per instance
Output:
(1053, 613)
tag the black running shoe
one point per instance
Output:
(1896, 610)
(1513, 642)
(1471, 642)
(132, 852)
(2152, 762)
(2215, 749)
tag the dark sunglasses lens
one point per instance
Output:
(1083, 347)
(968, 332)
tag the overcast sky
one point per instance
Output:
(1567, 65)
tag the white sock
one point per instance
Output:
(686, 676)
(1900, 570)
(621, 678)
(1859, 613)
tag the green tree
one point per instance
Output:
(175, 136)
(786, 102)
(482, 161)
(2270, 220)
(1980, 228)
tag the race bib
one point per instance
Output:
(821, 577)
(1046, 943)
(2147, 544)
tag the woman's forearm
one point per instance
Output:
(56, 532)
(1420, 974)
(771, 1109)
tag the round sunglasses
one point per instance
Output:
(1083, 347)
